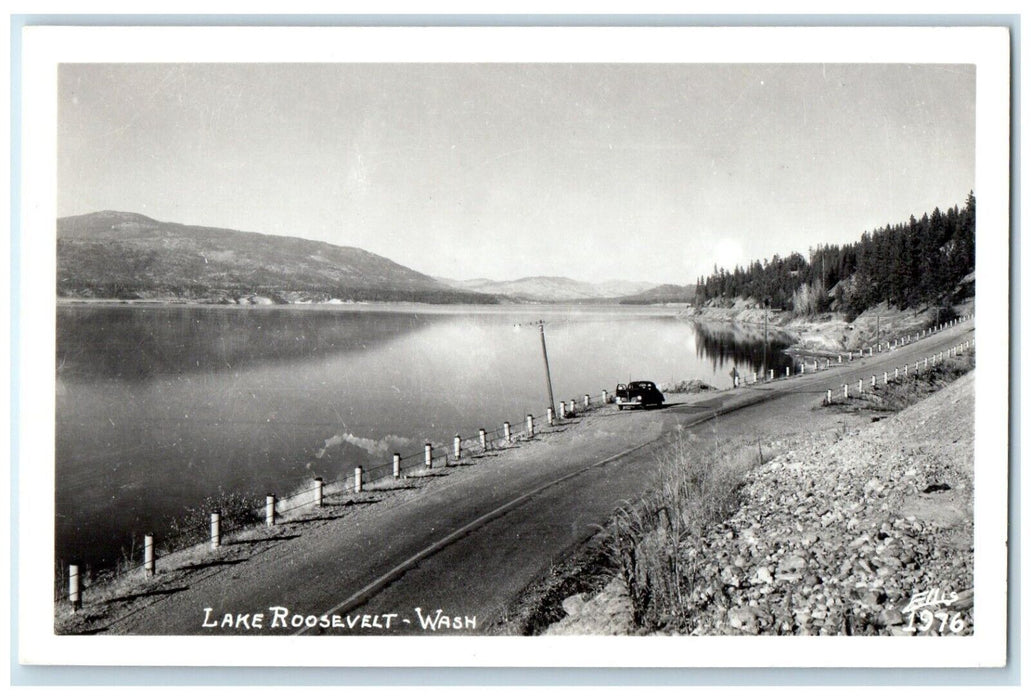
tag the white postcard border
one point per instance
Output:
(46, 47)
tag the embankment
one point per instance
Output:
(839, 533)
(829, 332)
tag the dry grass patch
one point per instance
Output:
(652, 541)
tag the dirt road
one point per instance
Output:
(468, 540)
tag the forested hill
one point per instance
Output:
(920, 261)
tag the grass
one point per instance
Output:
(236, 511)
(656, 544)
(652, 542)
(907, 391)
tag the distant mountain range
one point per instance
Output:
(550, 288)
(122, 255)
(663, 294)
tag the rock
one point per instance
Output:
(762, 575)
(873, 487)
(872, 599)
(765, 617)
(748, 537)
(890, 617)
(809, 538)
(791, 568)
(893, 563)
(731, 576)
(608, 613)
(574, 604)
(744, 619)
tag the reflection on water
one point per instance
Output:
(137, 344)
(158, 408)
(744, 348)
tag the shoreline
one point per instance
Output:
(827, 334)
(71, 367)
(113, 594)
(823, 335)
(590, 426)
(390, 306)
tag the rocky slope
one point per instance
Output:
(827, 333)
(837, 535)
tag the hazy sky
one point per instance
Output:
(592, 171)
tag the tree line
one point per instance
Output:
(920, 261)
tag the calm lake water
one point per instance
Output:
(161, 407)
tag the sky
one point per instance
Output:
(650, 172)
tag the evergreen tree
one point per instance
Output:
(916, 262)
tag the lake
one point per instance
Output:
(159, 407)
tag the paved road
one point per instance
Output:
(468, 543)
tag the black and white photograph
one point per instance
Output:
(403, 337)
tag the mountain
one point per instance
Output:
(549, 288)
(621, 288)
(663, 294)
(123, 255)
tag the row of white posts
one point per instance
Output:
(215, 539)
(932, 360)
(565, 410)
(863, 352)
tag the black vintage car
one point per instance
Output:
(638, 394)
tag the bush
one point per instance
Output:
(939, 315)
(236, 511)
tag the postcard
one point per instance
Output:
(513, 346)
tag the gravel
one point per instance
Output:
(836, 535)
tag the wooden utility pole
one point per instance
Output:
(766, 332)
(547, 369)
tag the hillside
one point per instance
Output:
(910, 264)
(550, 288)
(130, 256)
(663, 294)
